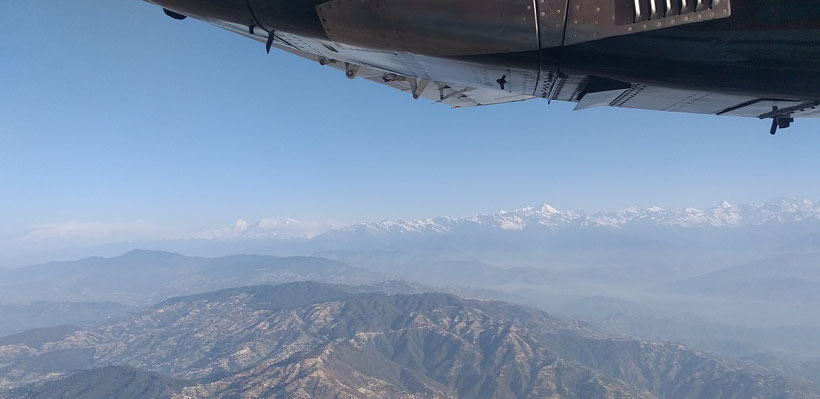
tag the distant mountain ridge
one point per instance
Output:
(141, 277)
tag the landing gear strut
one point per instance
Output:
(782, 118)
(782, 122)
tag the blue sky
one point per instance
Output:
(111, 112)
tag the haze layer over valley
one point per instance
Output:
(667, 259)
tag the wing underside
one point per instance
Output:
(453, 94)
(593, 91)
(586, 91)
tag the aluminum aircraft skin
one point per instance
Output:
(752, 58)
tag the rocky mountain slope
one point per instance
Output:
(307, 340)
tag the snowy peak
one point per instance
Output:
(400, 227)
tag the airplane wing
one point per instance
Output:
(586, 90)
(453, 94)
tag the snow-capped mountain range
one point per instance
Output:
(721, 216)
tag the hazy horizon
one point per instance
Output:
(84, 238)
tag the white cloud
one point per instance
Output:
(235, 230)
(96, 233)
(93, 232)
(265, 229)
